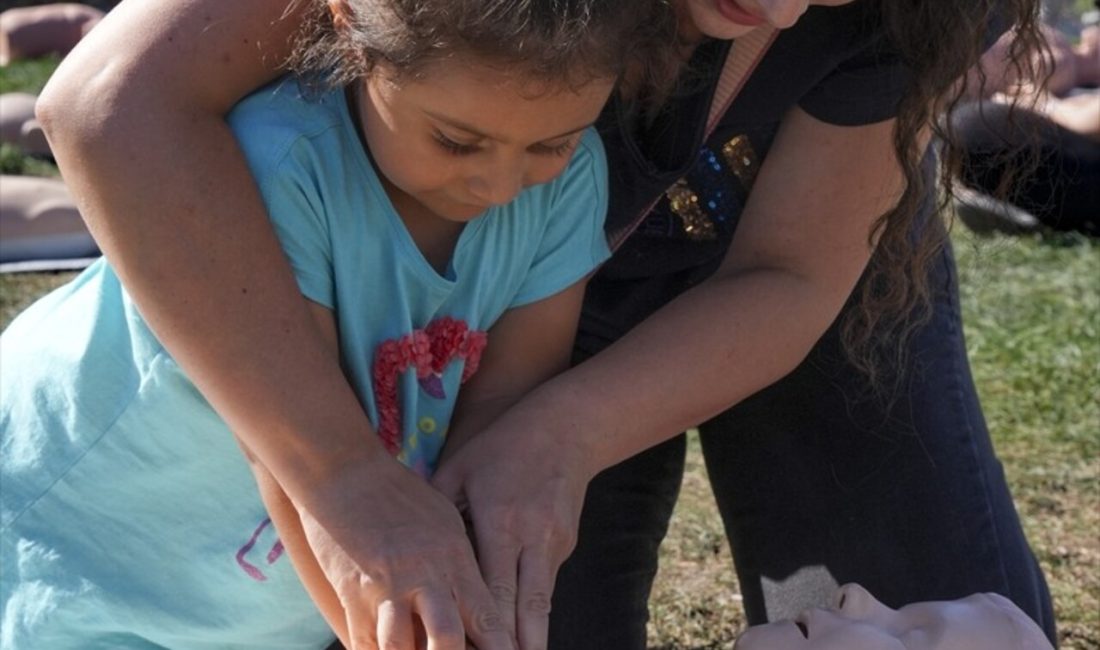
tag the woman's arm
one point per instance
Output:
(800, 248)
(134, 117)
(288, 522)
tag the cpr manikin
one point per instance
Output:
(30, 32)
(39, 220)
(858, 621)
(18, 126)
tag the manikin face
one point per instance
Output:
(726, 19)
(860, 622)
(465, 136)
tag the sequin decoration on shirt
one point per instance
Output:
(710, 197)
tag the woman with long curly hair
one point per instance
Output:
(780, 280)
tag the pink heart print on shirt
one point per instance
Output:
(429, 350)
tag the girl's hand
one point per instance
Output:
(523, 496)
(396, 553)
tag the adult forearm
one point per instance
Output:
(801, 245)
(166, 192)
(704, 352)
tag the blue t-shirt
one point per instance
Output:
(128, 516)
(351, 253)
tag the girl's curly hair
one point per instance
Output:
(565, 42)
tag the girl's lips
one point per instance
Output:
(734, 12)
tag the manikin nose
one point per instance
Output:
(782, 13)
(856, 602)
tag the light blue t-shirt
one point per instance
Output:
(129, 517)
(351, 253)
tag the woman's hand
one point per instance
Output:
(383, 555)
(522, 494)
(395, 553)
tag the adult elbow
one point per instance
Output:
(93, 102)
(71, 112)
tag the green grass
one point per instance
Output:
(27, 76)
(1031, 307)
(1032, 310)
(15, 162)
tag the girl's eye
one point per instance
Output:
(452, 147)
(563, 149)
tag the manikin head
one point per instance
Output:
(18, 126)
(858, 621)
(51, 28)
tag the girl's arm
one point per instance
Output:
(530, 344)
(801, 245)
(134, 118)
(527, 346)
(293, 538)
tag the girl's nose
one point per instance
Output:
(497, 184)
(781, 14)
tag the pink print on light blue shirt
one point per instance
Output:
(429, 350)
(274, 554)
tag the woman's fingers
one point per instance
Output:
(442, 623)
(499, 560)
(361, 631)
(403, 562)
(537, 570)
(395, 626)
(485, 627)
(525, 516)
(433, 620)
(519, 564)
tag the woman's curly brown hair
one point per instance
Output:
(940, 42)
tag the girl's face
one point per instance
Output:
(726, 19)
(465, 136)
(860, 622)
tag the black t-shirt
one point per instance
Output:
(833, 63)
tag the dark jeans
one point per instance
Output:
(1063, 190)
(817, 487)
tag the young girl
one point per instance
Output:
(440, 210)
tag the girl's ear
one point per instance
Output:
(341, 13)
